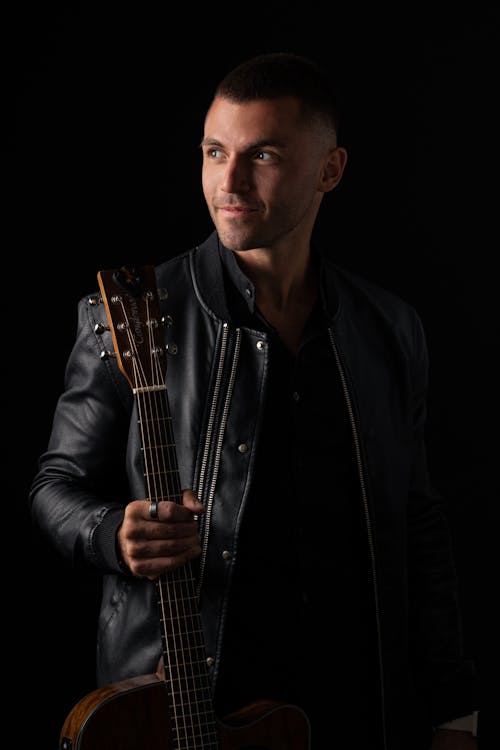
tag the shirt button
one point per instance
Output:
(242, 447)
(260, 345)
(226, 555)
(295, 396)
(210, 661)
(248, 291)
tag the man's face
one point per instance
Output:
(262, 171)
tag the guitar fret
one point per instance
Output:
(205, 714)
(182, 619)
(204, 741)
(155, 438)
(178, 651)
(158, 445)
(187, 672)
(155, 420)
(160, 473)
(183, 693)
(175, 497)
(181, 645)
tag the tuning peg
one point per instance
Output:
(100, 328)
(108, 355)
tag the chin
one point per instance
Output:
(236, 240)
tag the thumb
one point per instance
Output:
(190, 500)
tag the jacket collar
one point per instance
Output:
(208, 276)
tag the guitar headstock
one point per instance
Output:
(130, 297)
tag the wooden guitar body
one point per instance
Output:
(134, 715)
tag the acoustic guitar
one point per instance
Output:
(171, 709)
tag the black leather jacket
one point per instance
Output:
(216, 378)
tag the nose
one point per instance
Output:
(237, 176)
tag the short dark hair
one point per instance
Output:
(273, 75)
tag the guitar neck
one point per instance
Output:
(193, 722)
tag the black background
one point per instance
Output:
(101, 166)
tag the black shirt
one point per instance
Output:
(300, 600)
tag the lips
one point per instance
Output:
(236, 209)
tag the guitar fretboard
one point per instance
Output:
(193, 722)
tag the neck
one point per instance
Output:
(281, 279)
(286, 287)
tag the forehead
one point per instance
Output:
(257, 121)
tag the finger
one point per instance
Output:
(152, 567)
(170, 512)
(190, 500)
(149, 549)
(168, 529)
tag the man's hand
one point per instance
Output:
(453, 739)
(149, 547)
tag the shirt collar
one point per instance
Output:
(240, 281)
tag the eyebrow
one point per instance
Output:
(251, 146)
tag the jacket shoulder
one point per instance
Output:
(363, 293)
(351, 282)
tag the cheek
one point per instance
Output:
(208, 181)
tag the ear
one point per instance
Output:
(333, 169)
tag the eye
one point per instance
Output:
(214, 153)
(263, 155)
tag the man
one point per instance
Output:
(297, 393)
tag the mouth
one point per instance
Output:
(236, 214)
(236, 210)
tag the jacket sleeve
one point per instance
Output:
(77, 498)
(446, 678)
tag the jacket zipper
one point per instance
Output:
(369, 529)
(210, 439)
